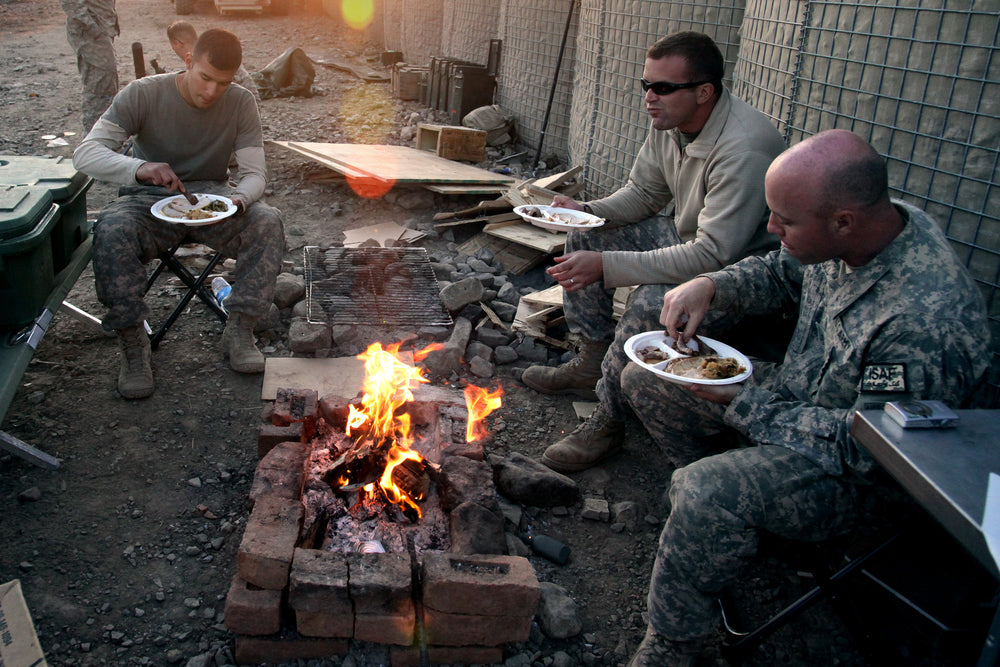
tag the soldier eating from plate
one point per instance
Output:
(184, 127)
(886, 312)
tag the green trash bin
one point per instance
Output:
(27, 271)
(69, 190)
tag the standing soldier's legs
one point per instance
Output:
(99, 72)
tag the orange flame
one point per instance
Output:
(480, 403)
(386, 388)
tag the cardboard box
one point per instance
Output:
(19, 645)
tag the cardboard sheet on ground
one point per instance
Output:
(342, 376)
(387, 235)
(19, 645)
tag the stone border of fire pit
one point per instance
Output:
(288, 602)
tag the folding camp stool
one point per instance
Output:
(195, 287)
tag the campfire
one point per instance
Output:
(377, 467)
(375, 519)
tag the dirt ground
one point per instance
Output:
(125, 553)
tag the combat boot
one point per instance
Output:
(658, 651)
(239, 345)
(598, 438)
(579, 375)
(135, 376)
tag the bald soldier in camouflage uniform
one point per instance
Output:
(91, 26)
(886, 312)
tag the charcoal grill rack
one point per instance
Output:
(372, 286)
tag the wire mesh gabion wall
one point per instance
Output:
(413, 27)
(532, 33)
(609, 117)
(467, 29)
(920, 81)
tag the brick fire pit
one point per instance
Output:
(295, 598)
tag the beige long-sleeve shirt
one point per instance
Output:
(717, 185)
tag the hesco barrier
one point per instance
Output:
(921, 81)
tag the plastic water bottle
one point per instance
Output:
(221, 290)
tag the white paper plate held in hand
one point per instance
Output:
(558, 219)
(654, 351)
(208, 211)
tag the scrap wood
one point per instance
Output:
(528, 235)
(484, 220)
(387, 235)
(555, 181)
(522, 323)
(462, 189)
(550, 296)
(493, 317)
(475, 211)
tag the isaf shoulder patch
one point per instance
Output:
(884, 377)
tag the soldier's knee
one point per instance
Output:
(632, 383)
(700, 487)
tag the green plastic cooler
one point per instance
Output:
(27, 271)
(68, 188)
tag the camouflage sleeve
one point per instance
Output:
(943, 361)
(758, 285)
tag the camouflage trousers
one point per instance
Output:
(95, 60)
(589, 310)
(719, 506)
(127, 237)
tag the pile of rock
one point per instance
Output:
(477, 292)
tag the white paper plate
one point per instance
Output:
(579, 219)
(664, 343)
(157, 209)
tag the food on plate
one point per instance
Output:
(561, 218)
(652, 355)
(205, 209)
(709, 367)
(701, 350)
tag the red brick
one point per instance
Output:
(445, 629)
(479, 585)
(270, 436)
(252, 611)
(293, 406)
(319, 583)
(265, 554)
(447, 655)
(395, 628)
(379, 583)
(321, 624)
(274, 650)
(281, 472)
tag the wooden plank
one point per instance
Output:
(553, 181)
(400, 164)
(461, 189)
(340, 168)
(528, 235)
(481, 208)
(551, 296)
(486, 219)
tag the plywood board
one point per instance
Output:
(462, 189)
(513, 257)
(342, 376)
(551, 296)
(397, 164)
(387, 235)
(528, 235)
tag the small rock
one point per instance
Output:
(557, 614)
(195, 482)
(29, 495)
(596, 509)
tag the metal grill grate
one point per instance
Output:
(372, 286)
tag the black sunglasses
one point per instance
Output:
(665, 87)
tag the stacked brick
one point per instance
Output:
(287, 602)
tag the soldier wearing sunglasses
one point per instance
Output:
(704, 157)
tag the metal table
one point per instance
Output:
(947, 472)
(17, 348)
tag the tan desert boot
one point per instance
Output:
(658, 651)
(239, 346)
(598, 438)
(578, 376)
(135, 376)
